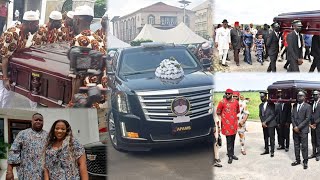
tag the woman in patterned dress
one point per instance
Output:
(259, 48)
(64, 156)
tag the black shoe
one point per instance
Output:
(238, 64)
(280, 148)
(264, 153)
(217, 160)
(285, 67)
(272, 155)
(312, 156)
(305, 165)
(217, 165)
(318, 158)
(235, 157)
(287, 149)
(230, 160)
(295, 163)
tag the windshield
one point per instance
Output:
(147, 60)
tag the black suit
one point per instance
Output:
(301, 119)
(283, 113)
(268, 116)
(294, 52)
(315, 133)
(315, 52)
(273, 50)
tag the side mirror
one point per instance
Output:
(206, 63)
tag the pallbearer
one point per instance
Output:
(315, 126)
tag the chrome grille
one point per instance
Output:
(156, 105)
(99, 165)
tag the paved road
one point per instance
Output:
(257, 67)
(253, 166)
(184, 163)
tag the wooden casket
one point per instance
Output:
(41, 74)
(310, 21)
(288, 90)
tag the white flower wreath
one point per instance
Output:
(169, 69)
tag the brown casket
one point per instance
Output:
(310, 21)
(288, 90)
(41, 74)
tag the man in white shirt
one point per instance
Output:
(181, 108)
(223, 41)
(253, 31)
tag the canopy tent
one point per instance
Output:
(115, 43)
(181, 34)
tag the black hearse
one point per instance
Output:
(142, 115)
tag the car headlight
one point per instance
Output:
(123, 105)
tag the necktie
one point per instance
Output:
(282, 104)
(299, 42)
(299, 106)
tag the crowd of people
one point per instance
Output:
(71, 27)
(276, 118)
(37, 154)
(268, 43)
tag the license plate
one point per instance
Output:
(91, 157)
(178, 128)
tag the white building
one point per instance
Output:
(204, 19)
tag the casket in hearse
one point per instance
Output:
(288, 90)
(310, 21)
(41, 74)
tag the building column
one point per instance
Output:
(10, 13)
(43, 11)
(5, 129)
(76, 3)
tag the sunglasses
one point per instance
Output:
(235, 96)
(228, 93)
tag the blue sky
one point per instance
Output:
(257, 81)
(258, 12)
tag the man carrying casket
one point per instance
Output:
(14, 40)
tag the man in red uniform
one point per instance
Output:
(227, 109)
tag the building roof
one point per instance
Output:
(158, 7)
(203, 5)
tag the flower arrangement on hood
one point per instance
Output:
(169, 69)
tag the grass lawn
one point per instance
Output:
(253, 105)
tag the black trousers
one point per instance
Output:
(318, 139)
(315, 64)
(230, 145)
(284, 52)
(301, 144)
(272, 66)
(283, 136)
(293, 66)
(269, 133)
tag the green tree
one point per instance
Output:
(100, 7)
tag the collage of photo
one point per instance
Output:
(159, 89)
(101, 89)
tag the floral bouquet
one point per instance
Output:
(169, 69)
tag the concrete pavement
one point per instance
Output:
(254, 166)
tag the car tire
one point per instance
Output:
(113, 132)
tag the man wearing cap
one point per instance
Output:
(48, 33)
(14, 40)
(236, 40)
(102, 32)
(269, 123)
(295, 44)
(300, 118)
(82, 18)
(67, 26)
(315, 126)
(283, 114)
(272, 45)
(223, 42)
(227, 110)
(242, 118)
